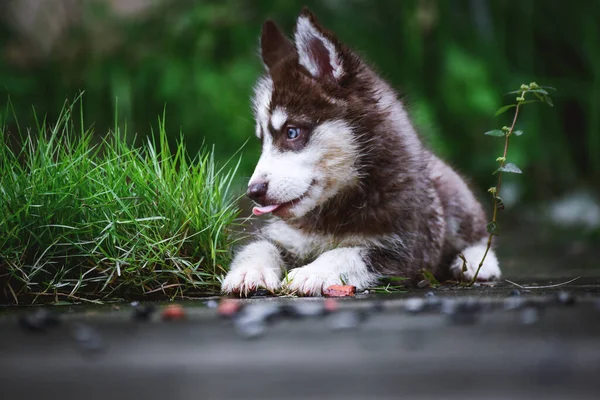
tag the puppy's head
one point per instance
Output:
(309, 145)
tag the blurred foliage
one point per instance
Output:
(454, 59)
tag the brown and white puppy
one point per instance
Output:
(354, 193)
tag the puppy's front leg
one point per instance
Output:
(346, 265)
(259, 264)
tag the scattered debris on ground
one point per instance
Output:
(173, 312)
(339, 291)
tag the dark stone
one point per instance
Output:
(260, 293)
(39, 320)
(566, 298)
(142, 312)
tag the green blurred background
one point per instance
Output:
(455, 60)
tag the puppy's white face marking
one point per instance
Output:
(263, 91)
(278, 118)
(315, 174)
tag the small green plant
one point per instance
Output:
(391, 284)
(88, 219)
(526, 94)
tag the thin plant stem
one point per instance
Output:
(496, 191)
(496, 195)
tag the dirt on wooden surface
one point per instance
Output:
(487, 342)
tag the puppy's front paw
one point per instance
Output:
(258, 265)
(248, 278)
(310, 280)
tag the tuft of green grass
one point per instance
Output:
(97, 220)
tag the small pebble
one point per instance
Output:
(433, 303)
(87, 338)
(331, 305)
(305, 309)
(530, 315)
(212, 304)
(448, 307)
(229, 307)
(251, 329)
(414, 305)
(423, 284)
(173, 312)
(514, 303)
(39, 320)
(430, 294)
(566, 298)
(263, 312)
(251, 321)
(345, 320)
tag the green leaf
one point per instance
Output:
(517, 133)
(504, 109)
(542, 91)
(510, 168)
(495, 132)
(430, 278)
(548, 87)
(397, 278)
(514, 92)
(549, 101)
(492, 228)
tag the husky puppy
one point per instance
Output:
(354, 193)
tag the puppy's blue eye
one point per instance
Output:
(293, 133)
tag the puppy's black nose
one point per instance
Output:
(257, 191)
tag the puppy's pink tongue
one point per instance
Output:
(265, 209)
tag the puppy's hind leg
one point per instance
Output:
(490, 270)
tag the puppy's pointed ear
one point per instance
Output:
(318, 50)
(274, 45)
